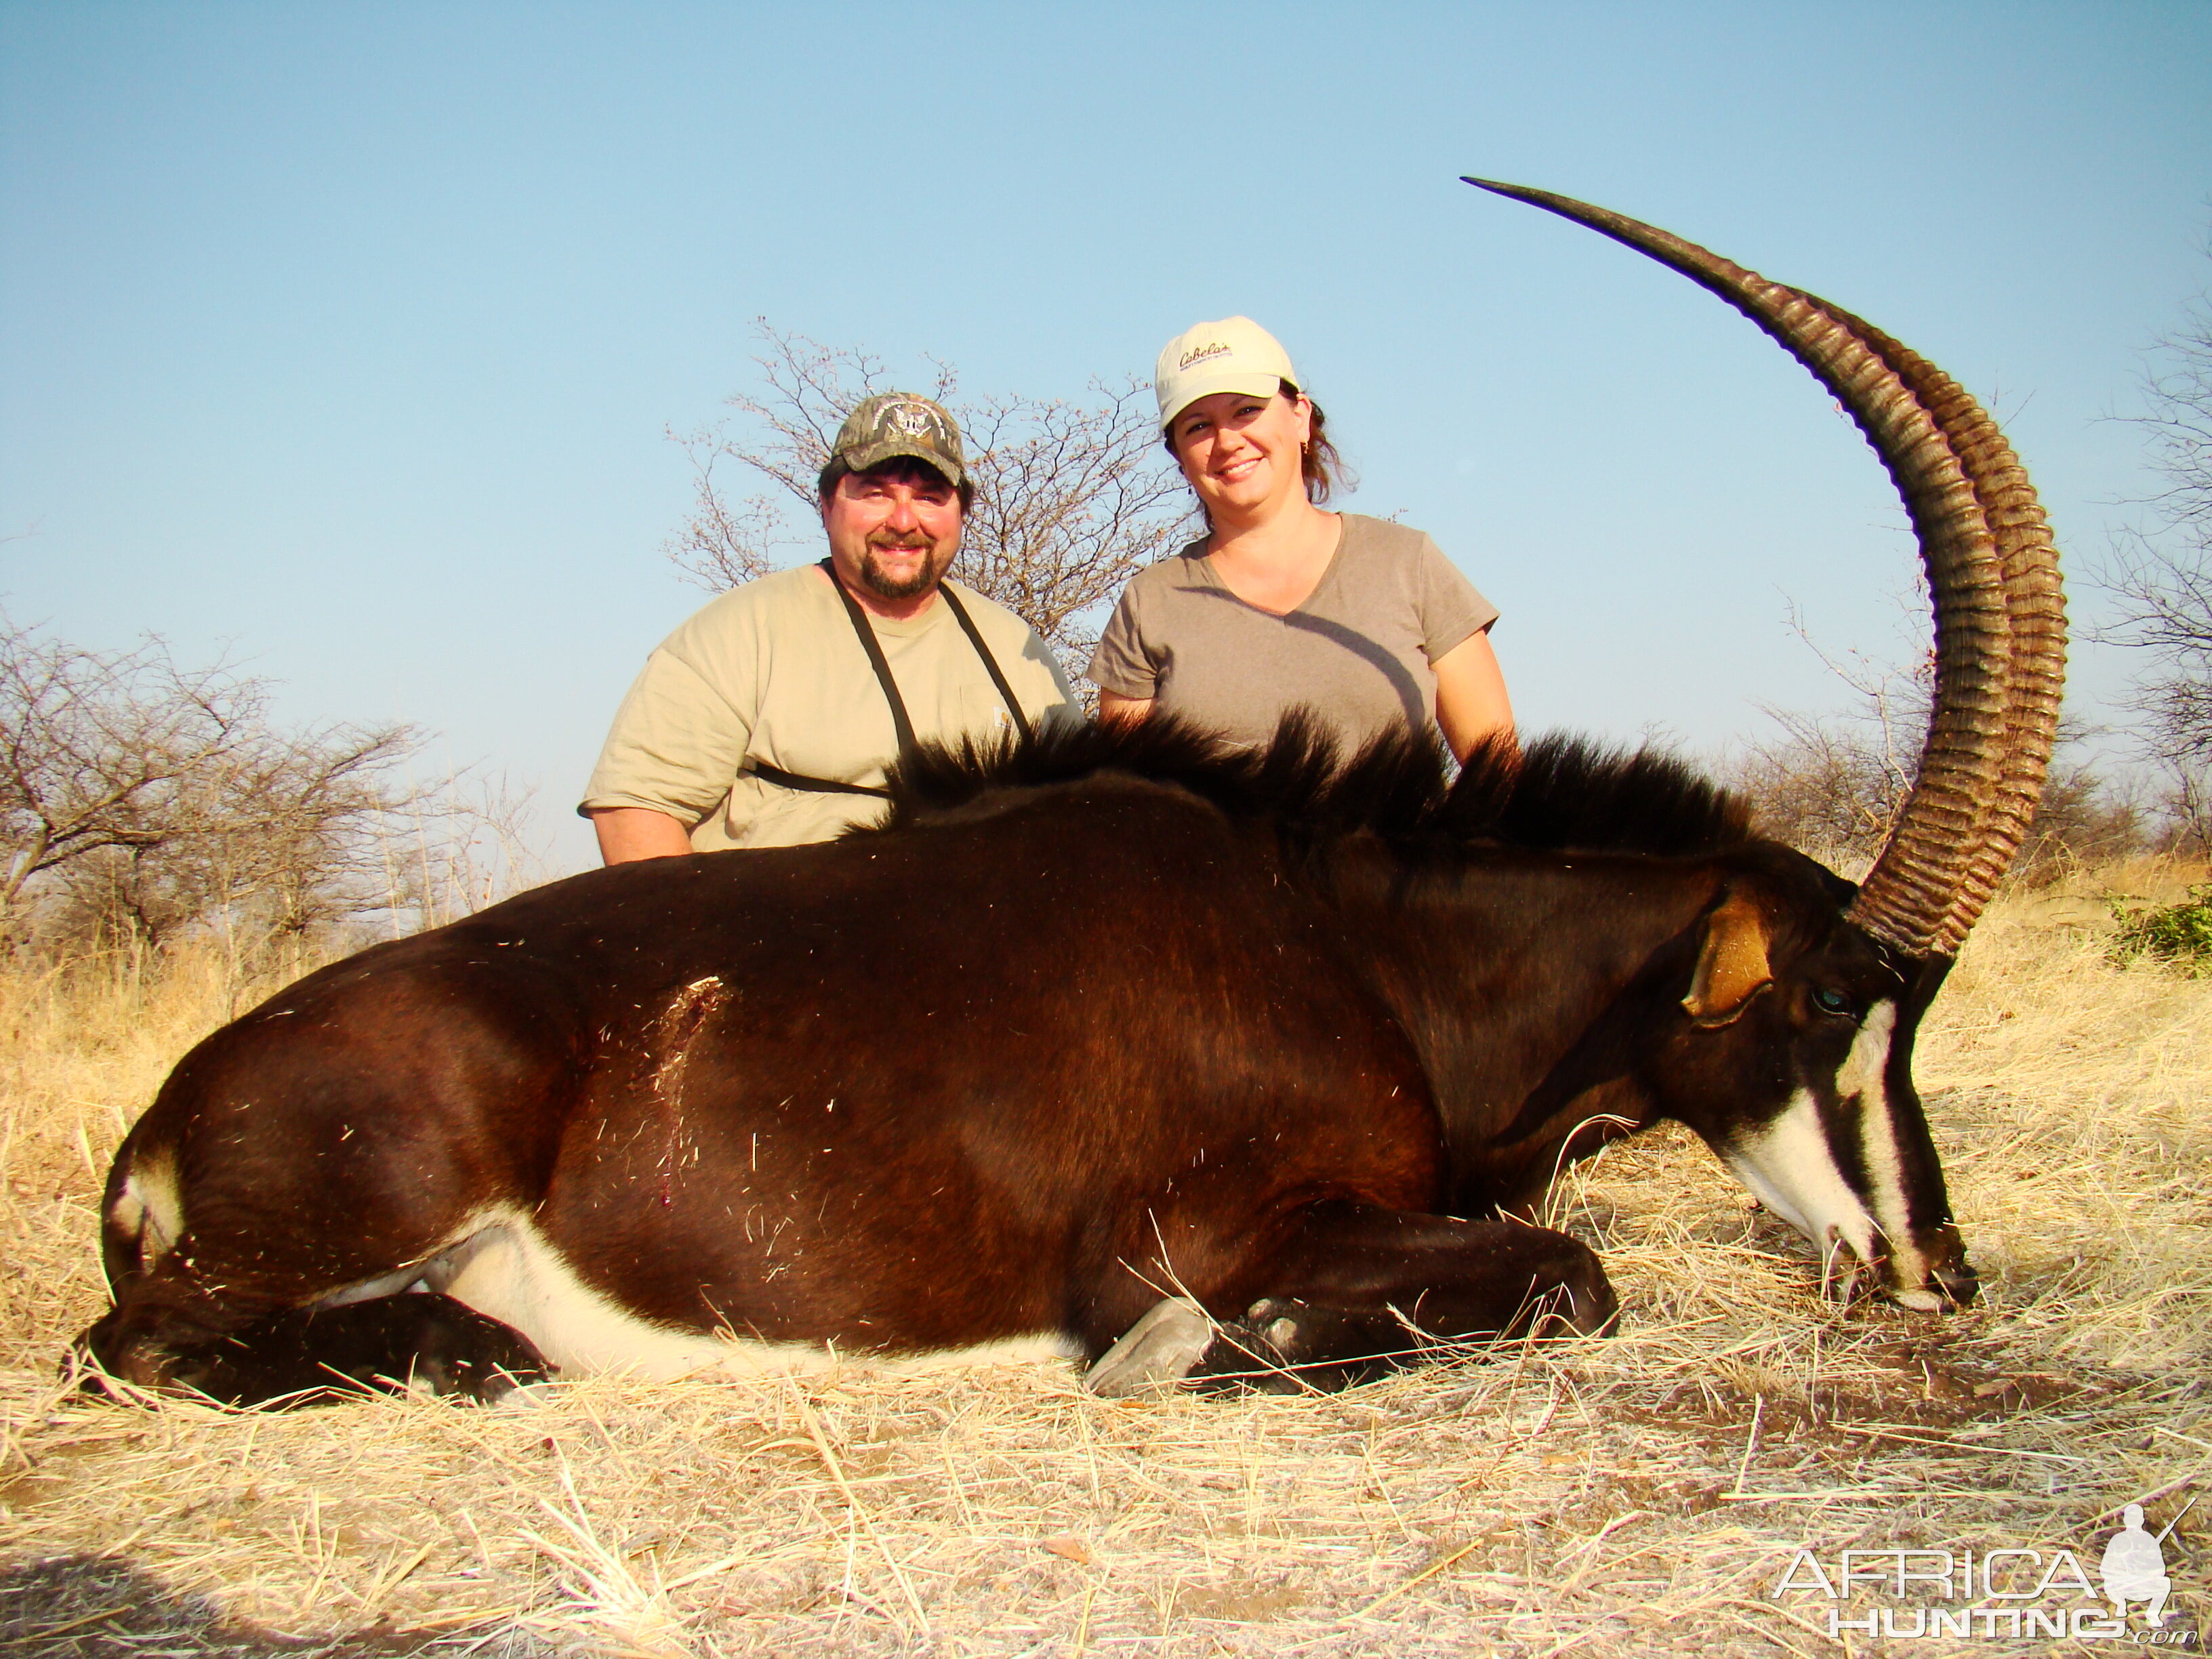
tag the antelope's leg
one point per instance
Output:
(173, 1330)
(303, 1355)
(260, 1311)
(1357, 1290)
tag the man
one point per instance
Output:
(769, 717)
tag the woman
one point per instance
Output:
(1283, 604)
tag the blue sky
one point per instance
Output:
(345, 337)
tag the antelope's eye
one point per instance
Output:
(1831, 1002)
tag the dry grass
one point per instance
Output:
(1633, 1496)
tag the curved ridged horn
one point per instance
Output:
(2035, 604)
(1989, 560)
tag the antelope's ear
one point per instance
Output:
(1732, 966)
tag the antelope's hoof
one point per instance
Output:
(1155, 1354)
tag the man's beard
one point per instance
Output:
(885, 586)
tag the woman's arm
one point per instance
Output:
(1471, 700)
(1113, 706)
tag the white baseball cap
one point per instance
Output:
(1233, 354)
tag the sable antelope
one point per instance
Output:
(1111, 1035)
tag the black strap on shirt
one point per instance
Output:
(900, 722)
(815, 786)
(874, 646)
(990, 663)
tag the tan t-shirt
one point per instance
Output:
(1359, 652)
(772, 672)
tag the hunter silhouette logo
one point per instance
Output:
(2134, 1568)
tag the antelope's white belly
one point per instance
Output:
(502, 1267)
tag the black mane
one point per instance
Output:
(1563, 794)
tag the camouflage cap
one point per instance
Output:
(901, 423)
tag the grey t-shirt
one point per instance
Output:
(1359, 651)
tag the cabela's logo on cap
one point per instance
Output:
(1199, 353)
(913, 420)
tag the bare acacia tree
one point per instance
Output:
(2161, 571)
(1833, 784)
(138, 797)
(1072, 498)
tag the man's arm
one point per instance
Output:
(676, 743)
(628, 833)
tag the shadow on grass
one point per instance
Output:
(94, 1606)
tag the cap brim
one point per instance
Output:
(1253, 383)
(890, 448)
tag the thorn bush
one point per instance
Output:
(2178, 934)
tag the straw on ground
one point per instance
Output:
(1632, 1495)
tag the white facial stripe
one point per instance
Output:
(1864, 1073)
(1788, 1165)
(505, 1268)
